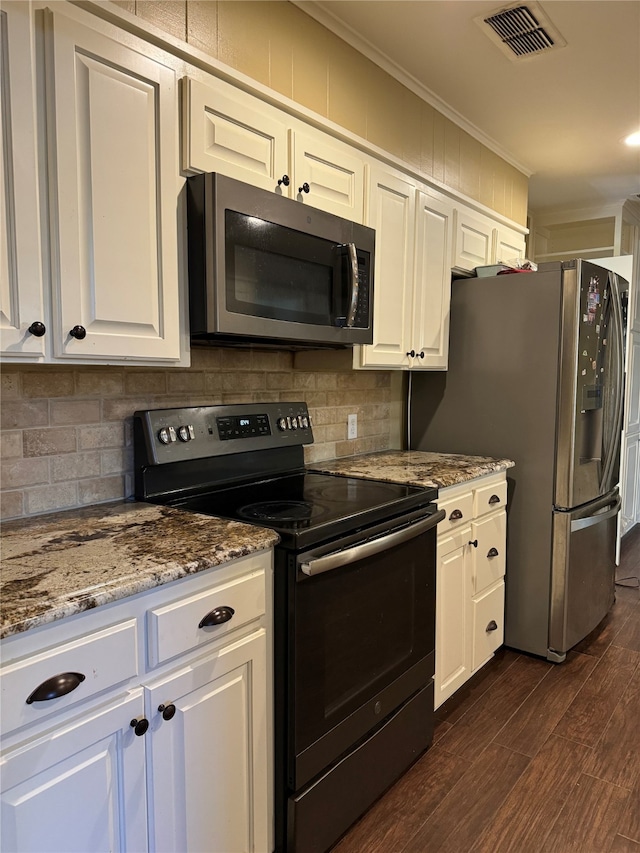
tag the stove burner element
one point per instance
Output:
(289, 512)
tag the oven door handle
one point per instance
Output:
(374, 546)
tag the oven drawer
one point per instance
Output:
(190, 622)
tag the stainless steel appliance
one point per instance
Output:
(268, 269)
(536, 372)
(354, 601)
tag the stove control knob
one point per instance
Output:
(289, 425)
(294, 422)
(186, 433)
(282, 423)
(167, 435)
(304, 422)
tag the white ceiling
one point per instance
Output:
(560, 115)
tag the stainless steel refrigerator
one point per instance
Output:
(536, 374)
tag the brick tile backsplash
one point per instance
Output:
(66, 432)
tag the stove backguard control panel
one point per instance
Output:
(174, 435)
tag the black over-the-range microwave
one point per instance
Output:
(265, 269)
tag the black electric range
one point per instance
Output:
(353, 598)
(247, 463)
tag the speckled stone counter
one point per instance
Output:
(415, 467)
(64, 563)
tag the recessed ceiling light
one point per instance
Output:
(633, 139)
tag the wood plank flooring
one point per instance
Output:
(531, 757)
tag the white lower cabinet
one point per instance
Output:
(208, 765)
(134, 756)
(470, 573)
(78, 787)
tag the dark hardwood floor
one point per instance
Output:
(533, 757)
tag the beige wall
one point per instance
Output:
(66, 436)
(278, 45)
(66, 432)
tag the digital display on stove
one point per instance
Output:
(247, 426)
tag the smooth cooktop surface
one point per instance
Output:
(309, 507)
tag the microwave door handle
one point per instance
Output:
(368, 549)
(355, 283)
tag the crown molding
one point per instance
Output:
(324, 17)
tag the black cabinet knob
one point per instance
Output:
(217, 616)
(411, 353)
(284, 180)
(473, 542)
(78, 332)
(56, 686)
(139, 726)
(493, 552)
(304, 188)
(420, 355)
(38, 329)
(492, 626)
(167, 711)
(456, 515)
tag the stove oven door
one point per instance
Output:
(363, 638)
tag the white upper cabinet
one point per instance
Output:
(112, 122)
(412, 282)
(228, 131)
(21, 303)
(236, 134)
(392, 214)
(327, 174)
(509, 245)
(473, 240)
(480, 241)
(432, 288)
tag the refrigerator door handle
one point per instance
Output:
(614, 437)
(589, 521)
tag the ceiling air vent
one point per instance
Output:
(521, 31)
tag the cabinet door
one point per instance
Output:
(509, 245)
(208, 770)
(79, 787)
(228, 131)
(432, 286)
(453, 618)
(20, 263)
(473, 240)
(114, 184)
(334, 173)
(391, 213)
(630, 513)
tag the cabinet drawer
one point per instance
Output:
(489, 556)
(458, 512)
(488, 611)
(490, 497)
(176, 627)
(100, 660)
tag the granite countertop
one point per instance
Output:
(415, 467)
(60, 564)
